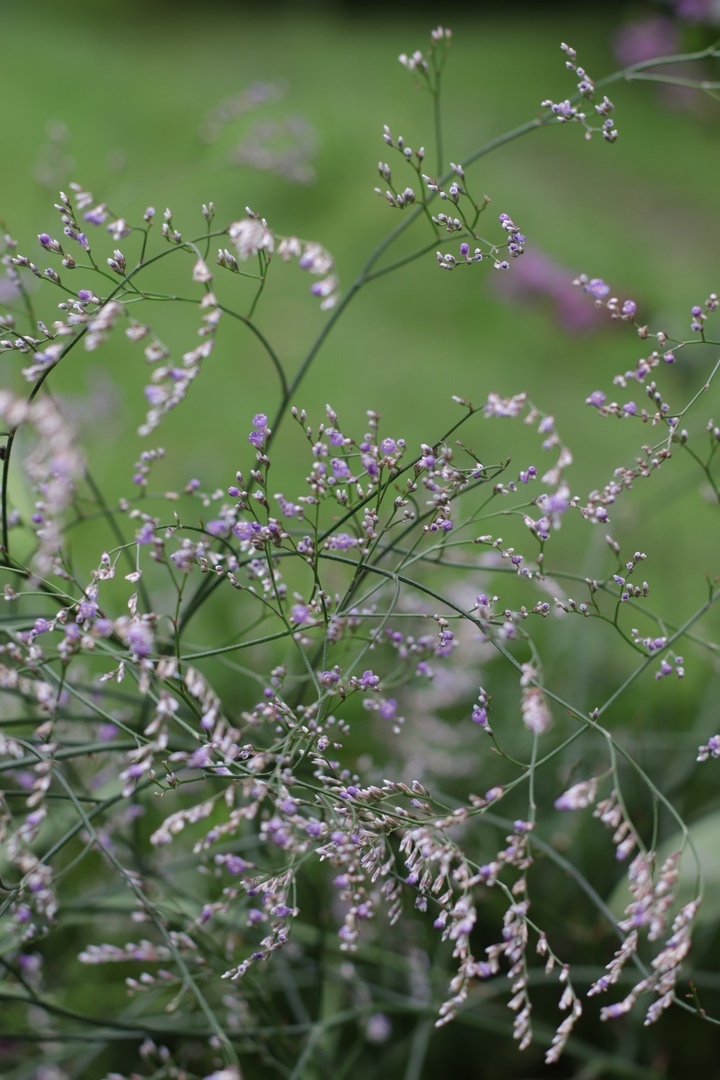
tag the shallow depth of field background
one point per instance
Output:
(117, 101)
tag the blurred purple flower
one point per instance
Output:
(644, 39)
(537, 276)
(697, 11)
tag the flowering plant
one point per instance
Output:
(254, 729)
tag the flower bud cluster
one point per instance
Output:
(427, 65)
(566, 112)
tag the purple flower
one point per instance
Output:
(630, 408)
(300, 613)
(145, 533)
(155, 395)
(341, 542)
(340, 469)
(244, 530)
(388, 446)
(216, 527)
(479, 716)
(370, 465)
(86, 609)
(287, 509)
(536, 276)
(257, 438)
(556, 503)
(710, 749)
(645, 39)
(596, 287)
(368, 680)
(259, 420)
(96, 216)
(140, 639)
(628, 309)
(597, 398)
(388, 708)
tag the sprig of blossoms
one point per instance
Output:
(54, 468)
(252, 236)
(566, 112)
(427, 66)
(515, 246)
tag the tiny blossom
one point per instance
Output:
(300, 613)
(666, 668)
(97, 216)
(341, 542)
(388, 708)
(479, 716)
(498, 406)
(201, 273)
(596, 287)
(251, 236)
(140, 638)
(535, 713)
(378, 1029)
(367, 681)
(340, 468)
(579, 796)
(710, 749)
(217, 527)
